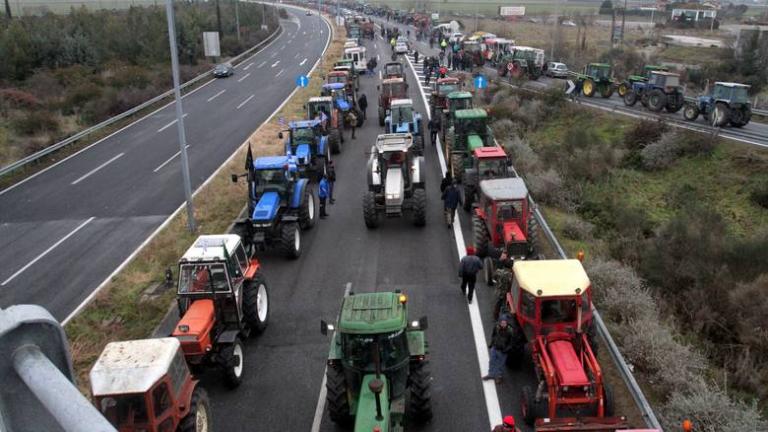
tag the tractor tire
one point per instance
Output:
(370, 214)
(360, 119)
(720, 115)
(307, 210)
(623, 89)
(517, 354)
(233, 375)
(609, 401)
(256, 303)
(457, 167)
(533, 236)
(336, 396)
(420, 383)
(469, 197)
(334, 140)
(630, 98)
(530, 409)
(674, 103)
(419, 207)
(382, 116)
(690, 112)
(738, 118)
(657, 100)
(480, 236)
(290, 240)
(199, 418)
(488, 269)
(606, 90)
(588, 87)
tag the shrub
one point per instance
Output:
(129, 76)
(503, 129)
(16, 98)
(662, 153)
(643, 133)
(546, 187)
(589, 156)
(576, 228)
(523, 157)
(759, 194)
(78, 96)
(34, 122)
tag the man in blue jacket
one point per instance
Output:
(323, 193)
(451, 200)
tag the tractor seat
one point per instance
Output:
(570, 371)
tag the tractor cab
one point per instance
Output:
(459, 100)
(390, 89)
(503, 219)
(357, 55)
(471, 130)
(440, 91)
(666, 81)
(393, 70)
(626, 85)
(305, 141)
(338, 92)
(727, 103)
(342, 77)
(600, 71)
(522, 61)
(272, 178)
(402, 118)
(145, 385)
(732, 93)
(318, 104)
(490, 163)
(596, 78)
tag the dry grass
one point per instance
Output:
(117, 313)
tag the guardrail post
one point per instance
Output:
(38, 391)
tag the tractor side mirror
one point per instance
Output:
(234, 178)
(280, 135)
(325, 327)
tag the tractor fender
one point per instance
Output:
(417, 344)
(374, 174)
(228, 336)
(417, 170)
(298, 192)
(323, 145)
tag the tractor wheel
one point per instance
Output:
(502, 70)
(608, 402)
(334, 140)
(656, 100)
(199, 418)
(469, 197)
(533, 235)
(480, 236)
(382, 116)
(336, 397)
(256, 303)
(588, 87)
(516, 354)
(720, 115)
(308, 210)
(488, 270)
(690, 112)
(606, 90)
(370, 214)
(630, 98)
(234, 355)
(738, 118)
(531, 409)
(420, 383)
(674, 103)
(419, 207)
(457, 167)
(623, 89)
(290, 240)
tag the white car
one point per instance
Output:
(401, 48)
(568, 23)
(556, 70)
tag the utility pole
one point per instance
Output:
(237, 19)
(554, 32)
(8, 9)
(180, 115)
(623, 20)
(218, 19)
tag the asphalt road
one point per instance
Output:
(63, 231)
(285, 366)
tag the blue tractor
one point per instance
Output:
(661, 91)
(727, 103)
(343, 102)
(309, 146)
(402, 118)
(280, 205)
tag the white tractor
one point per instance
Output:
(395, 181)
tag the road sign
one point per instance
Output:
(511, 10)
(302, 81)
(435, 16)
(211, 44)
(281, 121)
(480, 82)
(570, 88)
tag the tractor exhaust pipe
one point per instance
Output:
(376, 385)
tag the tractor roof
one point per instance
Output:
(401, 102)
(526, 48)
(472, 113)
(510, 188)
(393, 80)
(665, 73)
(273, 162)
(551, 278)
(132, 366)
(600, 64)
(394, 142)
(320, 99)
(355, 49)
(209, 247)
(459, 95)
(731, 84)
(334, 86)
(303, 124)
(372, 313)
(492, 152)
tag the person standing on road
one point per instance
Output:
(443, 45)
(415, 56)
(501, 342)
(468, 267)
(322, 193)
(393, 42)
(447, 180)
(362, 102)
(427, 73)
(331, 168)
(352, 119)
(451, 200)
(433, 126)
(508, 425)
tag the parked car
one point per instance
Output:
(223, 70)
(568, 23)
(556, 70)
(401, 48)
(309, 12)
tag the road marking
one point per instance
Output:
(217, 94)
(302, 62)
(378, 58)
(245, 101)
(280, 73)
(379, 73)
(296, 56)
(47, 251)
(282, 47)
(249, 65)
(324, 390)
(261, 64)
(375, 46)
(276, 63)
(169, 160)
(244, 77)
(273, 54)
(95, 170)
(169, 124)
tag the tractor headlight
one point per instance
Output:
(391, 196)
(415, 324)
(565, 389)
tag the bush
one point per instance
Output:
(503, 129)
(589, 156)
(34, 122)
(759, 194)
(662, 153)
(546, 187)
(77, 97)
(643, 133)
(16, 98)
(523, 157)
(576, 228)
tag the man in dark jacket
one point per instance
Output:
(447, 180)
(362, 102)
(468, 267)
(331, 169)
(501, 343)
(451, 200)
(433, 126)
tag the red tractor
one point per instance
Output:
(222, 298)
(392, 88)
(487, 163)
(393, 70)
(549, 305)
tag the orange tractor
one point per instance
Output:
(550, 304)
(222, 299)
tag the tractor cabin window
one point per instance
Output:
(494, 168)
(203, 278)
(510, 210)
(178, 372)
(558, 311)
(242, 260)
(125, 409)
(528, 305)
(161, 399)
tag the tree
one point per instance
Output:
(606, 8)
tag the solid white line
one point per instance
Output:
(93, 171)
(375, 46)
(261, 64)
(245, 101)
(280, 73)
(276, 63)
(378, 58)
(217, 94)
(249, 65)
(169, 124)
(244, 77)
(39, 257)
(169, 160)
(302, 62)
(296, 56)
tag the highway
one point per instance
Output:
(64, 230)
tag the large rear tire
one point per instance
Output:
(382, 116)
(420, 403)
(588, 87)
(469, 197)
(199, 418)
(419, 207)
(657, 100)
(290, 240)
(457, 167)
(233, 373)
(370, 215)
(606, 90)
(480, 236)
(720, 115)
(256, 303)
(690, 112)
(334, 140)
(308, 209)
(630, 98)
(531, 409)
(336, 397)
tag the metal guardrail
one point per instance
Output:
(761, 112)
(76, 137)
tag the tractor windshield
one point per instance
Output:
(393, 69)
(303, 135)
(599, 72)
(740, 95)
(467, 126)
(315, 108)
(124, 410)
(492, 168)
(556, 311)
(202, 278)
(508, 210)
(359, 350)
(402, 114)
(444, 89)
(460, 104)
(269, 176)
(337, 79)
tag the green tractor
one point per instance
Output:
(469, 131)
(596, 78)
(458, 100)
(626, 85)
(378, 372)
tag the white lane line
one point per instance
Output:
(245, 101)
(95, 170)
(169, 160)
(249, 65)
(276, 63)
(169, 124)
(273, 54)
(280, 73)
(302, 62)
(261, 64)
(217, 94)
(47, 251)
(378, 58)
(481, 345)
(282, 47)
(379, 73)
(375, 46)
(244, 77)
(296, 56)
(320, 407)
